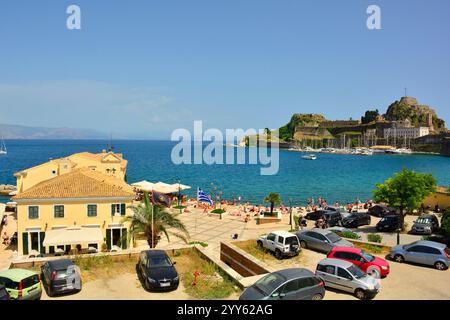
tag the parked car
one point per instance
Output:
(425, 224)
(345, 276)
(4, 295)
(281, 243)
(157, 271)
(287, 284)
(332, 218)
(21, 284)
(423, 252)
(356, 219)
(374, 266)
(315, 215)
(381, 210)
(321, 240)
(60, 277)
(390, 223)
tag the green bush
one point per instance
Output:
(374, 238)
(218, 211)
(374, 249)
(445, 223)
(203, 244)
(348, 234)
(177, 253)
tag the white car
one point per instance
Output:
(281, 243)
(344, 275)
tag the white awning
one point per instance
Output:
(160, 187)
(73, 236)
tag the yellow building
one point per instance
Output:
(79, 208)
(108, 163)
(441, 198)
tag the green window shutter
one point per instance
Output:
(108, 238)
(124, 238)
(25, 242)
(51, 249)
(112, 209)
(41, 238)
(122, 209)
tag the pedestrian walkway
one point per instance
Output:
(213, 230)
(7, 252)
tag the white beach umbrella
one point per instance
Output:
(144, 185)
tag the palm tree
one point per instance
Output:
(273, 198)
(152, 220)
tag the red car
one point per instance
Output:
(368, 263)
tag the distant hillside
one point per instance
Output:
(23, 132)
(409, 109)
(298, 119)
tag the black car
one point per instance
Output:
(315, 215)
(60, 277)
(157, 271)
(381, 210)
(4, 295)
(390, 223)
(333, 218)
(356, 219)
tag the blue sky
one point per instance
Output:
(143, 68)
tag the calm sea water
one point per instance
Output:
(336, 177)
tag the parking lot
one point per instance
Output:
(121, 287)
(405, 281)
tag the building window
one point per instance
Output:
(33, 212)
(59, 211)
(118, 209)
(92, 210)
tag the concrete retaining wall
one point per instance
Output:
(242, 262)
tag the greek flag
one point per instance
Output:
(201, 196)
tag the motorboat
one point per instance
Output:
(309, 157)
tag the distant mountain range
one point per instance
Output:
(8, 131)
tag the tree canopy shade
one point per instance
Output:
(445, 223)
(406, 190)
(273, 198)
(152, 220)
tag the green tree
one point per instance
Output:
(274, 199)
(370, 116)
(406, 190)
(152, 220)
(445, 223)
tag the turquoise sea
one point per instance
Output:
(336, 177)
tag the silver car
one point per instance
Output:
(287, 284)
(423, 252)
(321, 239)
(345, 276)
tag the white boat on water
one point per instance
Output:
(3, 147)
(399, 151)
(310, 157)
